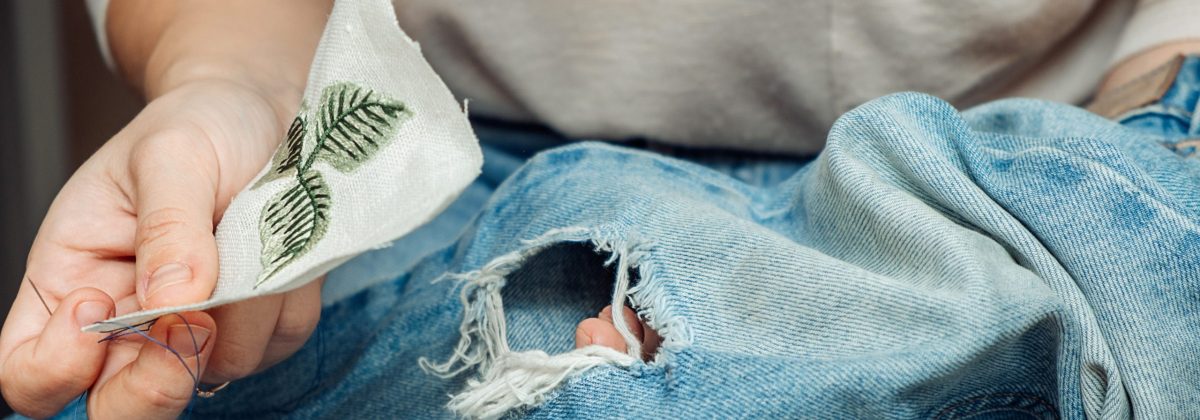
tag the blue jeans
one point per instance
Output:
(1019, 259)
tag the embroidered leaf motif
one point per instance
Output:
(287, 156)
(352, 123)
(292, 222)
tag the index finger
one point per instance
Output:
(42, 373)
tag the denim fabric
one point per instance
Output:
(1019, 259)
(501, 159)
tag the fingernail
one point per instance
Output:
(167, 276)
(91, 312)
(180, 337)
(604, 340)
(582, 338)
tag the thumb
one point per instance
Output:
(175, 182)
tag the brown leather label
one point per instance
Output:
(1138, 92)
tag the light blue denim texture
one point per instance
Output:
(1019, 259)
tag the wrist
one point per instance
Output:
(282, 86)
(264, 45)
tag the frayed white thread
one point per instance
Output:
(633, 346)
(509, 380)
(650, 299)
(483, 333)
(524, 379)
(625, 257)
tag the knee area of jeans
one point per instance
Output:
(520, 311)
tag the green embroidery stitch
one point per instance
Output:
(292, 222)
(352, 124)
(287, 157)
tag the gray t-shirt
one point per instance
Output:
(768, 75)
(765, 75)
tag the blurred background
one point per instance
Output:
(58, 104)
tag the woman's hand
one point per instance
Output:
(133, 229)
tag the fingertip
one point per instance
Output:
(633, 322)
(175, 283)
(179, 365)
(651, 342)
(596, 331)
(583, 337)
(46, 373)
(86, 305)
(189, 333)
(161, 380)
(177, 353)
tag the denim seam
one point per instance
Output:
(1157, 109)
(1045, 405)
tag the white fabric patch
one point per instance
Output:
(430, 157)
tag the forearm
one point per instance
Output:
(266, 45)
